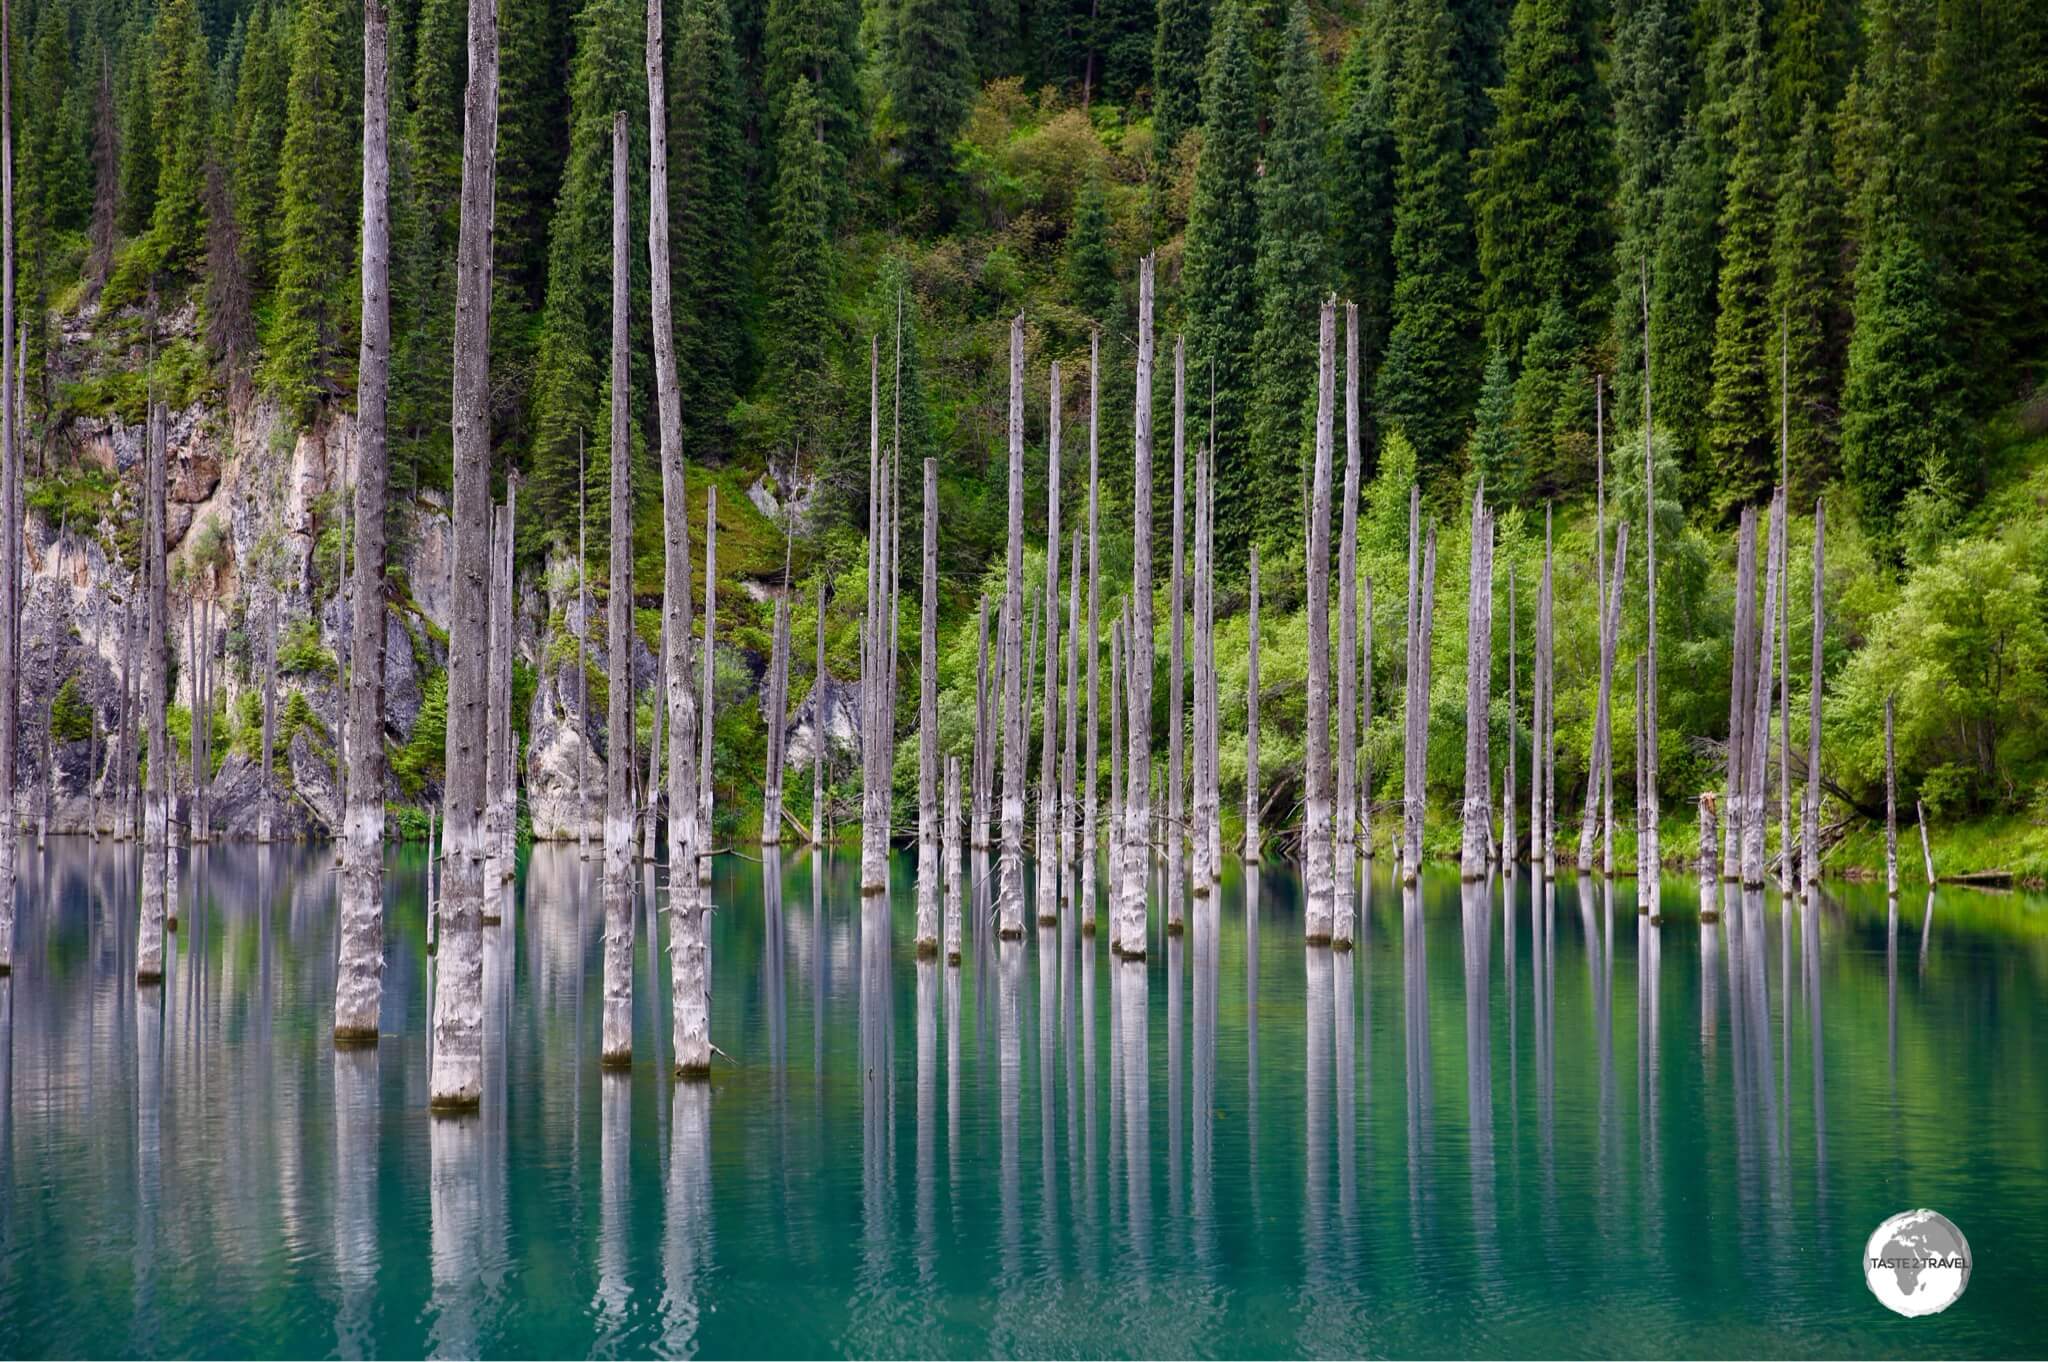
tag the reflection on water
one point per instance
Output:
(1237, 1145)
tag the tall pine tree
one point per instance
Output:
(261, 80)
(1742, 414)
(931, 88)
(1683, 279)
(1652, 70)
(180, 88)
(800, 291)
(707, 227)
(1180, 54)
(820, 41)
(1807, 306)
(1364, 181)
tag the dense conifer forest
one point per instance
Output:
(1827, 221)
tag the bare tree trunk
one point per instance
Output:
(1253, 838)
(1891, 807)
(1509, 850)
(1740, 687)
(1416, 786)
(1176, 617)
(1653, 860)
(652, 792)
(953, 829)
(1031, 686)
(615, 1046)
(874, 791)
(1410, 622)
(1010, 875)
(359, 989)
(820, 728)
(156, 848)
(1600, 772)
(264, 831)
(456, 1081)
(778, 706)
(1809, 833)
(1347, 629)
(1926, 851)
(10, 525)
(978, 794)
(1138, 680)
(928, 867)
(1538, 831)
(1757, 763)
(706, 723)
(499, 818)
(582, 660)
(1710, 850)
(1213, 733)
(1321, 886)
(1117, 791)
(1788, 874)
(689, 941)
(1048, 758)
(1205, 856)
(1479, 695)
(1068, 804)
(1088, 843)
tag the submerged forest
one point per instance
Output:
(1805, 241)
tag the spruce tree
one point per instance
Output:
(1742, 410)
(533, 144)
(1543, 181)
(261, 78)
(1554, 408)
(931, 87)
(425, 187)
(1180, 54)
(820, 41)
(1651, 71)
(1806, 305)
(180, 89)
(800, 287)
(1293, 274)
(1123, 36)
(1427, 382)
(575, 330)
(1089, 268)
(707, 227)
(1364, 183)
(1812, 43)
(311, 340)
(1219, 271)
(1902, 400)
(1683, 278)
(137, 140)
(1495, 456)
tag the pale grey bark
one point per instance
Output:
(1365, 661)
(1600, 760)
(1478, 825)
(1048, 761)
(1740, 685)
(1069, 804)
(456, 1078)
(778, 705)
(1710, 851)
(359, 986)
(1809, 834)
(874, 789)
(1416, 790)
(651, 793)
(1642, 844)
(1138, 681)
(1253, 838)
(1548, 623)
(818, 726)
(10, 522)
(1321, 883)
(266, 807)
(953, 829)
(1510, 851)
(1536, 728)
(582, 655)
(978, 795)
(1347, 626)
(1409, 622)
(615, 1046)
(708, 672)
(1788, 872)
(689, 939)
(1653, 860)
(1205, 858)
(1088, 842)
(1891, 807)
(1756, 762)
(1926, 850)
(1117, 793)
(1600, 772)
(1176, 616)
(1010, 870)
(928, 867)
(158, 900)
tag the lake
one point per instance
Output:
(1504, 1125)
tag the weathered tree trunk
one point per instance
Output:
(1117, 791)
(1031, 687)
(820, 728)
(1653, 859)
(615, 1047)
(1253, 838)
(1539, 832)
(689, 943)
(1891, 807)
(778, 706)
(359, 988)
(928, 868)
(1809, 833)
(1206, 857)
(1068, 801)
(651, 792)
(1365, 787)
(1926, 850)
(1478, 828)
(1788, 870)
(1741, 685)
(1710, 852)
(1346, 853)
(1321, 885)
(156, 851)
(10, 527)
(498, 733)
(1757, 763)
(1409, 624)
(582, 659)
(1600, 767)
(1600, 773)
(706, 724)
(1416, 767)
(1176, 621)
(978, 776)
(954, 829)
(874, 815)
(456, 1081)
(1138, 679)
(1048, 758)
(1509, 849)
(1010, 871)
(266, 805)
(1088, 843)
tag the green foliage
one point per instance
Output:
(1554, 408)
(70, 713)
(421, 761)
(1806, 300)
(1179, 54)
(931, 87)
(258, 138)
(708, 229)
(1744, 426)
(1090, 268)
(800, 329)
(815, 42)
(300, 652)
(1493, 447)
(1364, 184)
(1651, 75)
(1683, 279)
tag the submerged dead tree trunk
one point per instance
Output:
(1088, 844)
(1117, 792)
(1138, 682)
(1539, 832)
(1176, 623)
(1068, 802)
(1509, 852)
(1809, 832)
(1048, 759)
(820, 728)
(1365, 657)
(1252, 837)
(456, 1079)
(1478, 830)
(1346, 853)
(1891, 807)
(1416, 768)
(1756, 762)
(706, 726)
(1204, 857)
(149, 964)
(874, 793)
(953, 829)
(1010, 872)
(651, 794)
(359, 989)
(1740, 694)
(778, 706)
(1321, 886)
(689, 944)
(977, 793)
(928, 869)
(616, 1043)
(1653, 859)
(10, 528)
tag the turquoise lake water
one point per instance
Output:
(1499, 1127)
